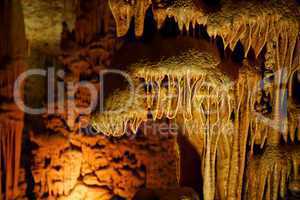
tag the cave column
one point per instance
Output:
(13, 48)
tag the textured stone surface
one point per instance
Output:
(43, 21)
(122, 166)
(106, 166)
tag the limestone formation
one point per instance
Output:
(190, 99)
(13, 51)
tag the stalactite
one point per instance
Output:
(232, 23)
(204, 131)
(123, 13)
(140, 13)
(293, 112)
(178, 161)
(184, 13)
(234, 161)
(223, 164)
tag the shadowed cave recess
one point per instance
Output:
(149, 99)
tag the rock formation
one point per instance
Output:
(13, 48)
(226, 73)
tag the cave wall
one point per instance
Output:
(13, 52)
(98, 166)
(67, 162)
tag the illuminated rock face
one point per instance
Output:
(245, 131)
(68, 163)
(106, 167)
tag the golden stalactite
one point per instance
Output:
(186, 13)
(123, 13)
(178, 161)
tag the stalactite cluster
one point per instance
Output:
(222, 120)
(188, 93)
(234, 21)
(206, 100)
